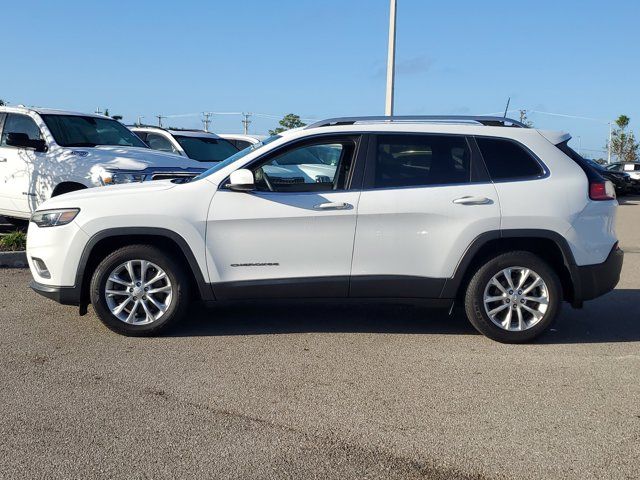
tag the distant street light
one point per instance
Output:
(391, 60)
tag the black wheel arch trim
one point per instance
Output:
(453, 284)
(204, 288)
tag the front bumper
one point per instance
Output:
(63, 295)
(592, 281)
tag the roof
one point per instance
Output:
(478, 120)
(47, 111)
(441, 125)
(242, 136)
(174, 131)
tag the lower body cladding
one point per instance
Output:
(588, 282)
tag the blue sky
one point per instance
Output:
(326, 58)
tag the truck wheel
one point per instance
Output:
(513, 297)
(139, 290)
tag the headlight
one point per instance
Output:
(112, 178)
(54, 218)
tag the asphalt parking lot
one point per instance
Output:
(322, 391)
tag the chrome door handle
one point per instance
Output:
(333, 206)
(471, 200)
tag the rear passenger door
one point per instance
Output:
(517, 172)
(425, 199)
(24, 168)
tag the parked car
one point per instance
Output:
(45, 153)
(621, 180)
(195, 144)
(630, 168)
(242, 141)
(462, 210)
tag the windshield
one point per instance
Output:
(206, 149)
(80, 131)
(237, 156)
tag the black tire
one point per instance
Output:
(175, 272)
(474, 298)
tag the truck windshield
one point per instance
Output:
(206, 149)
(81, 131)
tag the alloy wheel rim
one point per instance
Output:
(516, 299)
(138, 292)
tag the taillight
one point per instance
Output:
(602, 191)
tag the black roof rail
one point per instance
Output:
(481, 120)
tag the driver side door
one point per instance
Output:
(293, 236)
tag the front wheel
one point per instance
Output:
(513, 297)
(139, 291)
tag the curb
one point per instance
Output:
(13, 259)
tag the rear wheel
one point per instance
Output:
(513, 297)
(138, 290)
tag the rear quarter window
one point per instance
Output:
(508, 160)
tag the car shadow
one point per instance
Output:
(283, 317)
(629, 200)
(611, 318)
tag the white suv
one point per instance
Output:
(242, 140)
(474, 210)
(195, 144)
(45, 153)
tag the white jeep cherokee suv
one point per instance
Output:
(475, 210)
(45, 153)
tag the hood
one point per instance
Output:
(102, 194)
(134, 158)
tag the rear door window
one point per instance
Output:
(508, 160)
(160, 142)
(410, 160)
(17, 123)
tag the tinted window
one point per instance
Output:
(15, 123)
(309, 168)
(507, 160)
(81, 131)
(237, 156)
(418, 160)
(160, 142)
(241, 144)
(141, 135)
(206, 149)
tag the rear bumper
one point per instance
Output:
(592, 281)
(63, 295)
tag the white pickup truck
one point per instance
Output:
(45, 153)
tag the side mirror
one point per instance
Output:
(22, 140)
(241, 181)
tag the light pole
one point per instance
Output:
(391, 60)
(609, 145)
